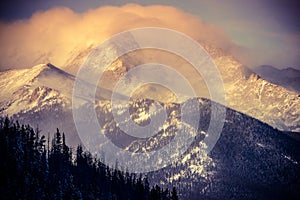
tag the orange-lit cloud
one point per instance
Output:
(54, 35)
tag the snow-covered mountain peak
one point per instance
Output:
(49, 70)
(108, 53)
(27, 89)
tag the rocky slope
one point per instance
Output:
(249, 93)
(251, 160)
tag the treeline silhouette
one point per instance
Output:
(31, 168)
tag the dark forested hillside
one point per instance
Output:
(251, 160)
(31, 168)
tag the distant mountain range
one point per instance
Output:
(288, 77)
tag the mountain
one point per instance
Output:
(35, 89)
(246, 91)
(251, 160)
(288, 77)
(43, 88)
(40, 96)
(250, 94)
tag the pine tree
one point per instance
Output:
(174, 195)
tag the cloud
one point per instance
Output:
(52, 35)
(58, 34)
(280, 50)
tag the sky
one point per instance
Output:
(257, 32)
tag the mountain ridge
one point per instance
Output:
(249, 154)
(245, 91)
(251, 94)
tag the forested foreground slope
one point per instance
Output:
(31, 168)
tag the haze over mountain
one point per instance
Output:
(245, 90)
(46, 38)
